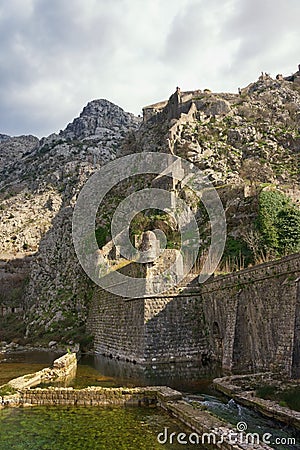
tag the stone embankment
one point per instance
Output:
(94, 396)
(242, 388)
(210, 429)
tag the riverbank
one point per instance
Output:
(12, 347)
(243, 389)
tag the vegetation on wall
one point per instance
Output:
(101, 236)
(237, 253)
(289, 230)
(274, 232)
(152, 219)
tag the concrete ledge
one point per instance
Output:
(214, 431)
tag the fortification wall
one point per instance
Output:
(248, 320)
(262, 333)
(117, 326)
(175, 329)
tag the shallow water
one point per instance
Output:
(14, 365)
(65, 428)
(192, 379)
(70, 428)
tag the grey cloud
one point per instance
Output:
(57, 55)
(59, 25)
(54, 43)
(56, 27)
(261, 27)
(187, 35)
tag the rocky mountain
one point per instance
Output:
(245, 143)
(98, 119)
(14, 148)
(38, 190)
(38, 177)
(220, 132)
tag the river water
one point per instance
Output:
(124, 428)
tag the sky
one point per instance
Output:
(57, 55)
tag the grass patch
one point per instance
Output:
(12, 328)
(6, 389)
(288, 397)
(266, 392)
(292, 398)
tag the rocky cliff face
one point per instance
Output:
(98, 119)
(14, 148)
(38, 191)
(221, 132)
(38, 177)
(241, 142)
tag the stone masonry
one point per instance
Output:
(247, 320)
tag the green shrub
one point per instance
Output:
(278, 222)
(288, 229)
(237, 249)
(6, 389)
(266, 391)
(101, 235)
(291, 398)
(270, 204)
(282, 403)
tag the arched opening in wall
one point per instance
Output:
(217, 340)
(216, 330)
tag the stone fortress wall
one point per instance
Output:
(247, 320)
(181, 101)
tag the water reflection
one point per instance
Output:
(103, 371)
(186, 377)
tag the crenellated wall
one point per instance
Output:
(248, 320)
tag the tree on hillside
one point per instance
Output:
(278, 223)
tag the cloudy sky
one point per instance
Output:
(56, 55)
